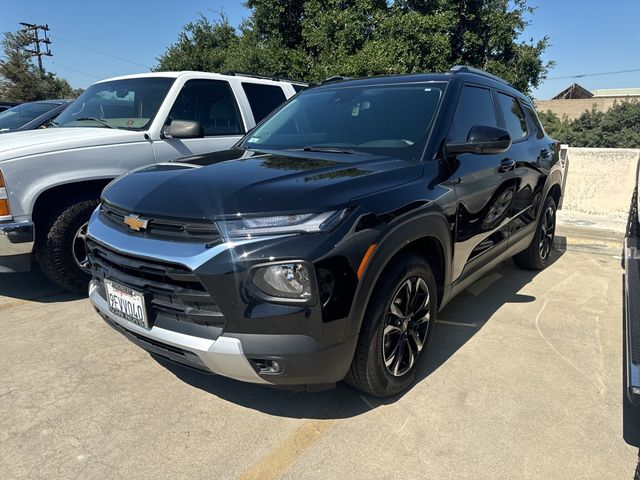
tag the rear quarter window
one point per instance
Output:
(263, 99)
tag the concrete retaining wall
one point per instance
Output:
(600, 181)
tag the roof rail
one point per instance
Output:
(265, 77)
(335, 78)
(477, 71)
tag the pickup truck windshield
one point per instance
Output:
(128, 104)
(392, 120)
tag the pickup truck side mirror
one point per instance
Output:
(482, 140)
(183, 129)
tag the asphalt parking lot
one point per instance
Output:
(523, 380)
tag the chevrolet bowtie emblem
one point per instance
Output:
(134, 222)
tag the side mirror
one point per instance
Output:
(482, 140)
(183, 129)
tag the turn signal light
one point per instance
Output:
(5, 211)
(4, 208)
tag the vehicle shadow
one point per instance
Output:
(33, 286)
(457, 324)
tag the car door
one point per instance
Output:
(214, 105)
(484, 187)
(527, 151)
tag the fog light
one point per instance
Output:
(269, 367)
(285, 280)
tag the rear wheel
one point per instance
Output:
(536, 256)
(61, 247)
(396, 328)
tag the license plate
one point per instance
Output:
(126, 303)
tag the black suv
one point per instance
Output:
(322, 246)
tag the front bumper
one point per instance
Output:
(223, 356)
(16, 245)
(237, 355)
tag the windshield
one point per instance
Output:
(17, 116)
(129, 104)
(385, 120)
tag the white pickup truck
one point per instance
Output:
(50, 180)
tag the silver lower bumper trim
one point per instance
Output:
(223, 356)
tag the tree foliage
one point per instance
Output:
(21, 80)
(315, 39)
(618, 127)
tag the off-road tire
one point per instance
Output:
(54, 245)
(530, 258)
(368, 371)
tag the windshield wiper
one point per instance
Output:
(102, 122)
(328, 150)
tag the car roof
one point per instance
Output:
(210, 75)
(55, 102)
(461, 73)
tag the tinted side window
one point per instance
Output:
(210, 102)
(514, 119)
(263, 99)
(298, 88)
(535, 121)
(475, 107)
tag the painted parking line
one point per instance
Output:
(278, 460)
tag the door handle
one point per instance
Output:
(506, 165)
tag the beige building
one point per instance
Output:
(575, 99)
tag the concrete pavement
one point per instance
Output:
(523, 380)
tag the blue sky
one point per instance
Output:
(586, 36)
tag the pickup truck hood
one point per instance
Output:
(33, 142)
(248, 182)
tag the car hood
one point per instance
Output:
(249, 182)
(34, 142)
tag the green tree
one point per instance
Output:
(618, 127)
(314, 39)
(21, 80)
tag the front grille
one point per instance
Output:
(203, 231)
(174, 297)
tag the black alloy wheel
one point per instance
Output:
(406, 326)
(396, 328)
(547, 232)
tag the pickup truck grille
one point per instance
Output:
(188, 231)
(174, 295)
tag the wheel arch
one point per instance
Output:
(427, 235)
(54, 198)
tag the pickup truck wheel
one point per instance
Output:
(61, 249)
(536, 256)
(397, 327)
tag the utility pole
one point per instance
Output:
(36, 40)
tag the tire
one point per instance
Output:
(536, 255)
(55, 247)
(375, 369)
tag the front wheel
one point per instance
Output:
(536, 256)
(396, 329)
(61, 249)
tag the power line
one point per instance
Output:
(76, 70)
(594, 74)
(57, 37)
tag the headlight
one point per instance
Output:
(302, 223)
(284, 280)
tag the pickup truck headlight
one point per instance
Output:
(299, 223)
(5, 211)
